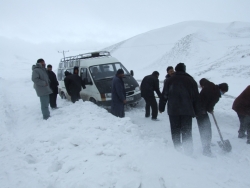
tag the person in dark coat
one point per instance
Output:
(149, 85)
(208, 97)
(241, 106)
(73, 84)
(170, 72)
(180, 92)
(118, 95)
(54, 87)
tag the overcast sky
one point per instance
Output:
(105, 22)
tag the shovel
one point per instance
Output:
(224, 144)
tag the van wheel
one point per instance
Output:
(92, 100)
(63, 96)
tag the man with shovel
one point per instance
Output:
(208, 97)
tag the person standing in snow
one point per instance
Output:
(54, 86)
(208, 97)
(41, 85)
(180, 92)
(73, 84)
(170, 72)
(118, 95)
(241, 106)
(149, 85)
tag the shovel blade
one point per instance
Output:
(225, 145)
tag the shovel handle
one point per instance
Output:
(217, 128)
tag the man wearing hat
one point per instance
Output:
(149, 85)
(118, 94)
(180, 92)
(208, 97)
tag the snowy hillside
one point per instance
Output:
(219, 52)
(84, 146)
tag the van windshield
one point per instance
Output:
(106, 71)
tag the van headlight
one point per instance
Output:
(137, 89)
(108, 95)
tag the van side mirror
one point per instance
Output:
(132, 73)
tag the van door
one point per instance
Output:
(87, 93)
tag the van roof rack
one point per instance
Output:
(87, 55)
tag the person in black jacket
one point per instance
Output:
(149, 85)
(180, 92)
(73, 84)
(54, 87)
(208, 97)
(118, 95)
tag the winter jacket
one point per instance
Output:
(118, 97)
(241, 104)
(166, 77)
(53, 82)
(208, 97)
(150, 84)
(41, 80)
(73, 83)
(181, 93)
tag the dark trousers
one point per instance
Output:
(52, 100)
(151, 103)
(244, 124)
(75, 97)
(181, 129)
(205, 130)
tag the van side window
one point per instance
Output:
(85, 74)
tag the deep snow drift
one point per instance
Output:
(84, 146)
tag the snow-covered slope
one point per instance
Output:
(84, 146)
(219, 52)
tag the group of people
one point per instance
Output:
(46, 86)
(180, 93)
(184, 102)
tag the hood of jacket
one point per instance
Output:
(38, 65)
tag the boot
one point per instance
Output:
(242, 135)
(207, 151)
(248, 141)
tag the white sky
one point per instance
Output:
(99, 22)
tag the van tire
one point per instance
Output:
(92, 100)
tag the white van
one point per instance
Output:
(97, 70)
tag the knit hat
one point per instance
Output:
(180, 67)
(66, 73)
(223, 87)
(169, 68)
(119, 71)
(156, 73)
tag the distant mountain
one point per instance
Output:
(217, 51)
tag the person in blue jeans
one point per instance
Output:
(41, 85)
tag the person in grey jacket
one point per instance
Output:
(41, 85)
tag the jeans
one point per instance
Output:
(205, 130)
(45, 106)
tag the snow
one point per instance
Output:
(82, 145)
